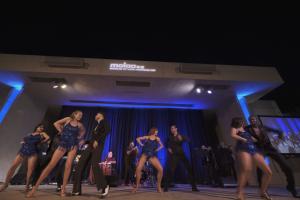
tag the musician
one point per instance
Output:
(109, 164)
(108, 167)
(130, 163)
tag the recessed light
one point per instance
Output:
(63, 86)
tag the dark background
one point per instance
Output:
(246, 35)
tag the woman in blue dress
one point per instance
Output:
(71, 131)
(28, 150)
(247, 152)
(150, 147)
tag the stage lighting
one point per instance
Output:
(209, 91)
(63, 86)
(55, 86)
(198, 90)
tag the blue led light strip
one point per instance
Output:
(13, 94)
(244, 107)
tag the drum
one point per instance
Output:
(148, 175)
(106, 169)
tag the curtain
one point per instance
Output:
(128, 123)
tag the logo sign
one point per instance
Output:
(129, 67)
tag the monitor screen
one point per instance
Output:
(290, 126)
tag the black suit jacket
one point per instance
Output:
(100, 132)
(176, 145)
(263, 140)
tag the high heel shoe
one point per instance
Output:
(134, 190)
(240, 197)
(31, 193)
(265, 196)
(159, 189)
(3, 187)
(63, 192)
(27, 188)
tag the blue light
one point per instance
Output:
(252, 88)
(16, 83)
(10, 100)
(282, 125)
(144, 105)
(293, 125)
(244, 107)
(247, 90)
(12, 80)
(267, 160)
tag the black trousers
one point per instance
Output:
(42, 162)
(277, 157)
(210, 176)
(129, 171)
(58, 170)
(95, 156)
(173, 160)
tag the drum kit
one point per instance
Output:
(106, 168)
(148, 178)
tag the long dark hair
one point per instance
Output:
(237, 122)
(37, 126)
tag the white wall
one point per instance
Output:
(265, 107)
(22, 117)
(229, 109)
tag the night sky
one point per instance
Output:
(277, 46)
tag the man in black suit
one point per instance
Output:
(259, 132)
(176, 154)
(93, 152)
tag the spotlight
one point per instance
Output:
(55, 86)
(209, 91)
(198, 90)
(63, 86)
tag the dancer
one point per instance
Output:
(175, 154)
(93, 152)
(247, 152)
(130, 163)
(259, 132)
(43, 161)
(72, 131)
(150, 148)
(28, 150)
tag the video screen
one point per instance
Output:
(290, 126)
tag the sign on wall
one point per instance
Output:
(129, 67)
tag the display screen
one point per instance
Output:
(290, 126)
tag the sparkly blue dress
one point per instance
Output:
(248, 146)
(29, 147)
(69, 137)
(149, 148)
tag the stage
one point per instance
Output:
(180, 192)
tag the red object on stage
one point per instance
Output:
(106, 168)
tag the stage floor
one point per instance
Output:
(180, 192)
